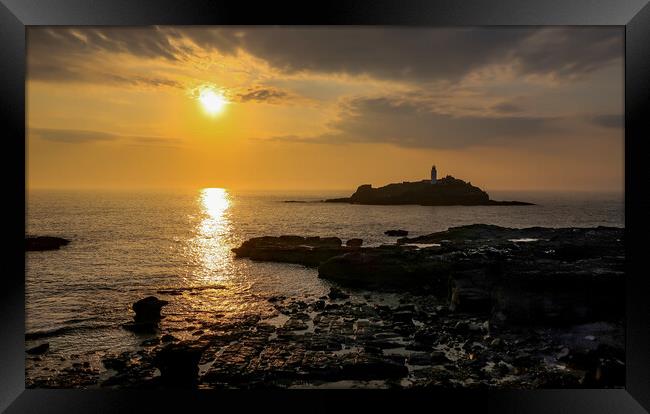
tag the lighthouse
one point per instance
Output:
(434, 175)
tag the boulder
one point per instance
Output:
(41, 243)
(147, 310)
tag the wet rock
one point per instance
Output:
(324, 344)
(368, 367)
(382, 344)
(396, 233)
(41, 243)
(336, 293)
(141, 327)
(354, 242)
(168, 338)
(387, 268)
(503, 367)
(295, 324)
(147, 310)
(150, 342)
(439, 357)
(308, 251)
(496, 342)
(265, 327)
(117, 363)
(467, 295)
(178, 364)
(319, 305)
(419, 358)
(403, 316)
(39, 349)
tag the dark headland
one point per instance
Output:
(447, 191)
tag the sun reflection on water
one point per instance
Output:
(213, 234)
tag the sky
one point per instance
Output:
(291, 108)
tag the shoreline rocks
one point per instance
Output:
(529, 275)
(366, 343)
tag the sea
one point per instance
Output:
(126, 245)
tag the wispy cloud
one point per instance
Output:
(405, 123)
(608, 120)
(263, 94)
(77, 136)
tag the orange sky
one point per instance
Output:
(325, 108)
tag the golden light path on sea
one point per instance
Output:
(214, 252)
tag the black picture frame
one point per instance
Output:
(634, 15)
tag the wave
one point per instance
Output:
(48, 333)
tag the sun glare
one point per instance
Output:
(213, 102)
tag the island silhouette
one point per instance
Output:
(447, 191)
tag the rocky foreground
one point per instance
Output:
(474, 306)
(531, 275)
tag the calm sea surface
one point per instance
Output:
(129, 245)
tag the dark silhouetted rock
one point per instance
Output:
(308, 251)
(369, 367)
(354, 243)
(168, 338)
(147, 315)
(141, 327)
(41, 243)
(295, 324)
(147, 310)
(39, 349)
(336, 293)
(178, 364)
(396, 233)
(387, 269)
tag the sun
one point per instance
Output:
(213, 102)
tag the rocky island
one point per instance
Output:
(447, 191)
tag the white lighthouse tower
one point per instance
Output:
(434, 175)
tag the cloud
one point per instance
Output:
(608, 121)
(406, 123)
(507, 108)
(402, 54)
(263, 94)
(71, 136)
(569, 52)
(146, 42)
